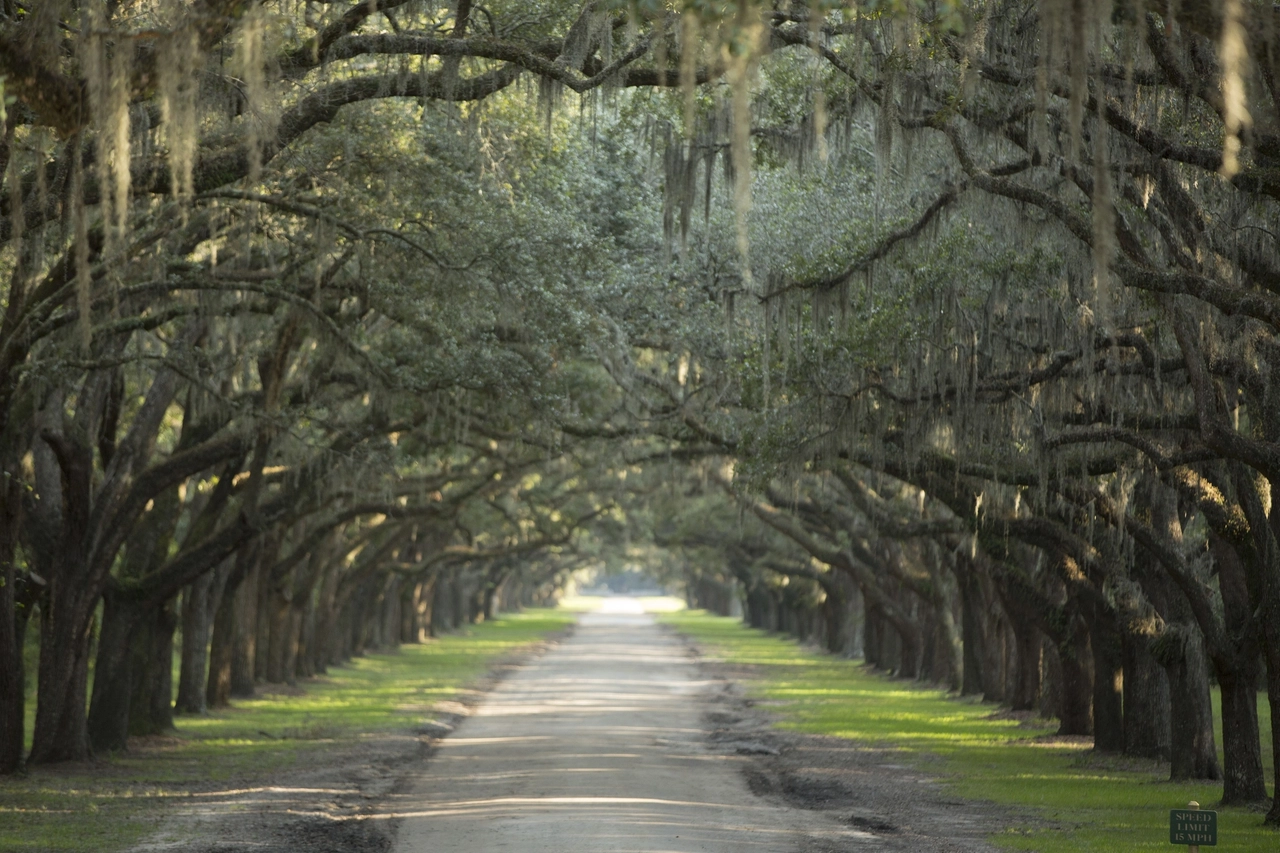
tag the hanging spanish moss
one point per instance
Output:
(1234, 57)
(80, 224)
(17, 217)
(690, 44)
(179, 63)
(108, 64)
(740, 56)
(1104, 229)
(817, 17)
(249, 63)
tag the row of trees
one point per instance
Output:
(280, 378)
(1008, 387)
(941, 331)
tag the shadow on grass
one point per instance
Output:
(1091, 801)
(116, 801)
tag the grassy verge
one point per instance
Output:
(1085, 802)
(116, 801)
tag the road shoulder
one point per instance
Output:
(892, 803)
(331, 799)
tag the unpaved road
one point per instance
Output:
(597, 746)
(618, 738)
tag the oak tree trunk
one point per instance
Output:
(279, 624)
(222, 642)
(108, 721)
(1273, 697)
(61, 730)
(12, 630)
(1027, 642)
(1193, 752)
(151, 699)
(1076, 659)
(244, 634)
(1242, 781)
(1105, 645)
(972, 608)
(835, 611)
(873, 635)
(1146, 701)
(1237, 672)
(197, 621)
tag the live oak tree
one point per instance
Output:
(1076, 350)
(153, 218)
(338, 311)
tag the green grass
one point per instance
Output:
(118, 800)
(1076, 801)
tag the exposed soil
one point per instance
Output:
(323, 803)
(868, 787)
(861, 796)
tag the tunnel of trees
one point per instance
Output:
(938, 332)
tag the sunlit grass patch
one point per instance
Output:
(117, 801)
(1075, 800)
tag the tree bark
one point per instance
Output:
(873, 636)
(948, 666)
(1243, 781)
(409, 612)
(1076, 714)
(835, 609)
(245, 631)
(1180, 650)
(1105, 644)
(1237, 671)
(442, 604)
(1146, 700)
(1026, 692)
(151, 702)
(197, 613)
(306, 656)
(1273, 697)
(66, 610)
(61, 730)
(1050, 701)
(108, 721)
(12, 629)
(458, 604)
(222, 643)
(264, 616)
(326, 651)
(491, 591)
(972, 608)
(279, 625)
(1193, 752)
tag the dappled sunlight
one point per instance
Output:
(1021, 763)
(562, 706)
(266, 789)
(377, 696)
(503, 802)
(477, 741)
(601, 738)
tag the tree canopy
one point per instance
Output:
(941, 332)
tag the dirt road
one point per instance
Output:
(597, 746)
(615, 740)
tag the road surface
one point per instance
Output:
(596, 746)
